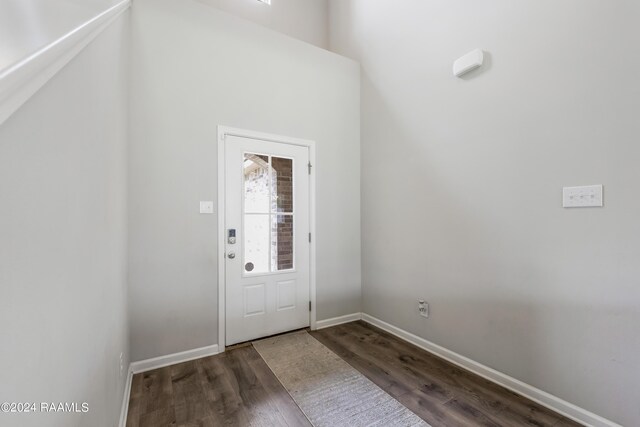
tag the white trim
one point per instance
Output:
(335, 321)
(314, 236)
(550, 401)
(22, 80)
(124, 411)
(222, 132)
(222, 315)
(172, 359)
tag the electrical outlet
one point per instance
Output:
(121, 363)
(423, 308)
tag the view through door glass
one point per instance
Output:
(268, 210)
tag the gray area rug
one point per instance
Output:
(326, 388)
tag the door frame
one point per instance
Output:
(224, 131)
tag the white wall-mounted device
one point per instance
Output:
(423, 308)
(582, 197)
(468, 62)
(206, 207)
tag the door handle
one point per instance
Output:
(231, 255)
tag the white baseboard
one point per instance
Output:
(172, 359)
(321, 324)
(550, 401)
(125, 400)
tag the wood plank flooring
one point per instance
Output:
(237, 388)
(439, 392)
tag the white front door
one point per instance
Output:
(267, 227)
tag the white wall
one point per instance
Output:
(195, 68)
(27, 26)
(63, 315)
(462, 178)
(306, 20)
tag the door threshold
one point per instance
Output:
(248, 343)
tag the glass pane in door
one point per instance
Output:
(282, 243)
(257, 194)
(282, 184)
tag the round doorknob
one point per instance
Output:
(231, 255)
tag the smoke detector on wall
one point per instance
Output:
(468, 62)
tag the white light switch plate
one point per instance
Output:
(206, 207)
(582, 197)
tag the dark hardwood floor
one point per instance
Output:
(237, 388)
(439, 392)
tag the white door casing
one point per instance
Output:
(266, 278)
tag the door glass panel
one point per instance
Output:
(257, 196)
(282, 184)
(268, 214)
(282, 243)
(256, 242)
